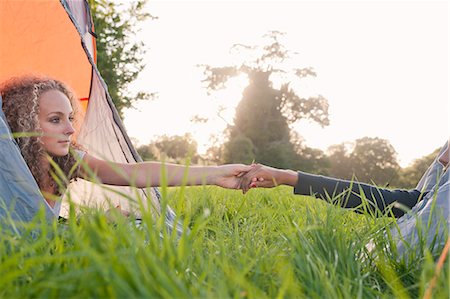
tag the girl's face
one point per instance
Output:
(55, 119)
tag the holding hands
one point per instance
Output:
(238, 176)
(261, 176)
(228, 176)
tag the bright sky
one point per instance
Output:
(382, 65)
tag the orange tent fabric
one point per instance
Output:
(41, 39)
(55, 38)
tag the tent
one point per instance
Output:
(56, 38)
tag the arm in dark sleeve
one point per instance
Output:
(352, 192)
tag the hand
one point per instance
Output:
(229, 175)
(267, 177)
(259, 176)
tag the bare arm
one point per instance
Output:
(147, 174)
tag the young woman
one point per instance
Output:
(44, 111)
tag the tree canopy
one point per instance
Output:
(170, 148)
(370, 160)
(261, 129)
(410, 176)
(119, 56)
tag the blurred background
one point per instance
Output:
(339, 88)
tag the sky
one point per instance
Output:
(383, 66)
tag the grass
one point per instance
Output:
(266, 244)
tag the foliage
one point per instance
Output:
(240, 149)
(410, 176)
(374, 160)
(174, 148)
(269, 244)
(340, 164)
(265, 113)
(214, 154)
(148, 152)
(311, 160)
(119, 56)
(371, 160)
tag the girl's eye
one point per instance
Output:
(71, 118)
(54, 120)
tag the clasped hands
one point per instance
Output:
(245, 177)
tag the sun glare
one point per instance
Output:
(374, 80)
(228, 98)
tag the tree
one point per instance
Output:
(177, 147)
(170, 148)
(240, 149)
(265, 113)
(119, 57)
(370, 160)
(374, 160)
(340, 165)
(148, 152)
(311, 160)
(410, 176)
(214, 154)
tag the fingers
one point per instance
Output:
(248, 177)
(261, 184)
(240, 170)
(241, 174)
(253, 183)
(245, 168)
(257, 183)
(251, 176)
(245, 184)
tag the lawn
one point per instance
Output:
(265, 244)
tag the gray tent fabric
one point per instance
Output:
(102, 134)
(427, 224)
(20, 199)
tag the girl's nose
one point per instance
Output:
(69, 129)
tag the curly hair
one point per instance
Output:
(21, 107)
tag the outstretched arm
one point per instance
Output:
(353, 193)
(147, 174)
(325, 188)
